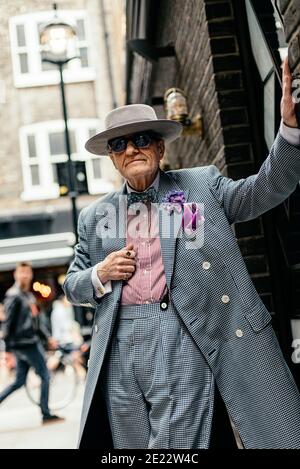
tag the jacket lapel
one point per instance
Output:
(169, 224)
(111, 222)
(111, 217)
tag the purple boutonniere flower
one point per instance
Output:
(174, 200)
(191, 213)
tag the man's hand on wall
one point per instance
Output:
(287, 104)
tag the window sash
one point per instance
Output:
(23, 63)
(31, 146)
(35, 174)
(20, 28)
(60, 143)
(27, 52)
(97, 170)
(39, 166)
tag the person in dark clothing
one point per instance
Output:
(21, 333)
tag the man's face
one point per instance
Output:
(23, 276)
(134, 163)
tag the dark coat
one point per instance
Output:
(20, 329)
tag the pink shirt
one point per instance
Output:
(148, 282)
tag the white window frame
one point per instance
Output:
(48, 189)
(36, 76)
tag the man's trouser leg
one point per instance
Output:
(157, 386)
(35, 358)
(20, 379)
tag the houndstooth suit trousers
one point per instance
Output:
(156, 383)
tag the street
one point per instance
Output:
(20, 424)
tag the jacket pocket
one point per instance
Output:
(259, 317)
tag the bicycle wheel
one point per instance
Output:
(62, 390)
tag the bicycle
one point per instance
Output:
(64, 380)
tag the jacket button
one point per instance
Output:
(225, 299)
(96, 328)
(239, 333)
(206, 265)
(163, 305)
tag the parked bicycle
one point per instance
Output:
(64, 380)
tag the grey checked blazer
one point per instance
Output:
(236, 336)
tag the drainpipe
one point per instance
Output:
(103, 16)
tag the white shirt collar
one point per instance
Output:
(154, 184)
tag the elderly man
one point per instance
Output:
(176, 311)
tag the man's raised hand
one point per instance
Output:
(288, 113)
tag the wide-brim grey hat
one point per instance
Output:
(129, 119)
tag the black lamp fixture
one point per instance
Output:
(59, 39)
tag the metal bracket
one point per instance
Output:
(151, 53)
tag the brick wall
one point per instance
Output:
(290, 10)
(209, 70)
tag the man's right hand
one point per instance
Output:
(119, 265)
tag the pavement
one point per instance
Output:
(21, 427)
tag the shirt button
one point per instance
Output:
(239, 333)
(147, 302)
(206, 265)
(96, 328)
(145, 272)
(225, 299)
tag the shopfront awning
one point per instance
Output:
(41, 251)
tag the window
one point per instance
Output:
(44, 160)
(269, 50)
(27, 52)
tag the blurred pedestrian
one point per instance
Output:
(21, 336)
(62, 319)
(2, 319)
(66, 332)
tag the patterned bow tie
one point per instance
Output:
(150, 195)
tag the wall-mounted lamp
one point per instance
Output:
(175, 102)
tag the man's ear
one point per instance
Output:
(161, 148)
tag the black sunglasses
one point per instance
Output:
(139, 139)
